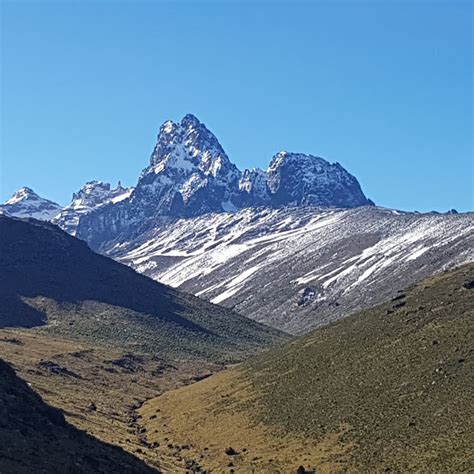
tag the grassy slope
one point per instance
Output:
(53, 281)
(389, 389)
(35, 437)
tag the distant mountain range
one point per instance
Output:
(295, 246)
(189, 175)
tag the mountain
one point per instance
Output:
(26, 203)
(91, 196)
(35, 437)
(54, 281)
(295, 246)
(190, 175)
(299, 268)
(388, 389)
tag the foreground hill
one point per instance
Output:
(299, 268)
(389, 389)
(53, 280)
(35, 437)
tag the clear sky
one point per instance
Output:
(384, 88)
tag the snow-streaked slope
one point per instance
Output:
(297, 268)
(26, 203)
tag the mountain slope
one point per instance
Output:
(388, 389)
(35, 437)
(299, 268)
(52, 279)
(26, 203)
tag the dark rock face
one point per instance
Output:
(253, 188)
(190, 175)
(90, 197)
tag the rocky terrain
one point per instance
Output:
(91, 196)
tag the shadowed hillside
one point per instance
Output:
(388, 389)
(53, 280)
(35, 437)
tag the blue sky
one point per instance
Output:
(385, 88)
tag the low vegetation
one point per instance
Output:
(137, 370)
(99, 388)
(35, 437)
(386, 390)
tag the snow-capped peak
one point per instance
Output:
(190, 174)
(187, 163)
(20, 195)
(188, 146)
(26, 203)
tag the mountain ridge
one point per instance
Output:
(189, 174)
(26, 203)
(53, 281)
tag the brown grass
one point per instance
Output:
(93, 378)
(198, 423)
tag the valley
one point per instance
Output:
(98, 388)
(216, 320)
(388, 389)
(236, 237)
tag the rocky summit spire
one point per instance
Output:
(188, 145)
(189, 172)
(190, 120)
